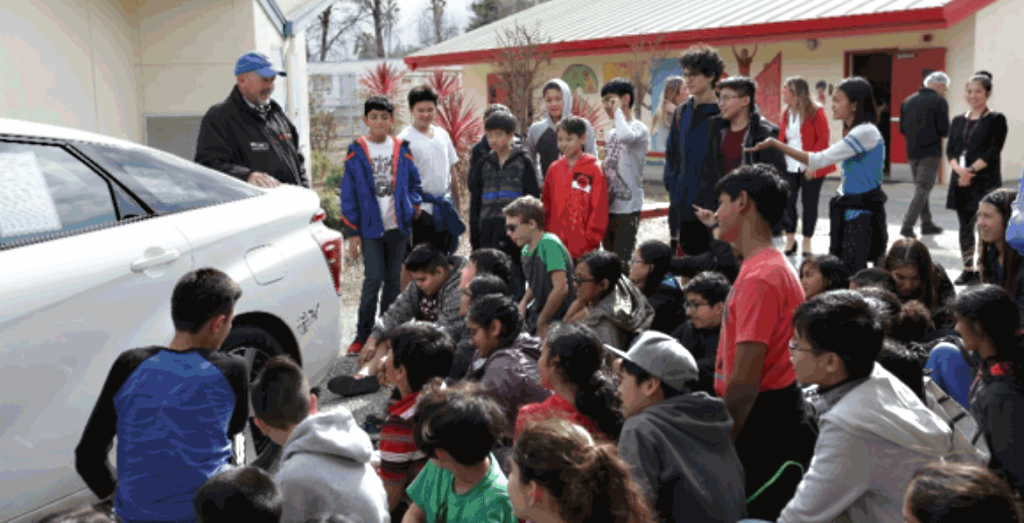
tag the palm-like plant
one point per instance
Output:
(593, 113)
(384, 80)
(458, 118)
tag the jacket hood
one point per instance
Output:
(585, 160)
(626, 307)
(333, 433)
(566, 99)
(704, 417)
(492, 156)
(885, 408)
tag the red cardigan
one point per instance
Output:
(814, 136)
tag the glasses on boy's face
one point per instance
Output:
(634, 261)
(696, 305)
(793, 347)
(511, 227)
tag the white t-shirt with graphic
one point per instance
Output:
(434, 159)
(382, 157)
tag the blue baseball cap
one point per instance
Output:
(253, 61)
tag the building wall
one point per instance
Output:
(997, 45)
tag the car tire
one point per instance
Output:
(256, 346)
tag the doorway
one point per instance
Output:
(876, 68)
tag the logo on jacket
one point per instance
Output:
(259, 146)
(582, 182)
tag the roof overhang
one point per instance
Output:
(857, 25)
(299, 15)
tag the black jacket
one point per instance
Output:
(924, 121)
(982, 138)
(878, 236)
(668, 301)
(997, 404)
(703, 345)
(491, 187)
(236, 140)
(758, 130)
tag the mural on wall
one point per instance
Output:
(496, 94)
(662, 71)
(744, 58)
(769, 85)
(615, 70)
(581, 79)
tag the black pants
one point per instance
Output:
(809, 192)
(776, 431)
(968, 219)
(423, 232)
(694, 237)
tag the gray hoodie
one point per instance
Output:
(682, 454)
(325, 469)
(622, 313)
(536, 135)
(874, 435)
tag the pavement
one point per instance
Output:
(944, 249)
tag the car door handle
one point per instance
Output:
(155, 260)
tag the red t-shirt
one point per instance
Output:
(732, 150)
(760, 310)
(555, 407)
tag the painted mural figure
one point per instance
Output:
(744, 59)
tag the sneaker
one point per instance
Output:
(907, 232)
(968, 278)
(348, 386)
(931, 228)
(356, 347)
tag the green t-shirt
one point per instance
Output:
(549, 256)
(486, 502)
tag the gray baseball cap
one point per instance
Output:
(662, 356)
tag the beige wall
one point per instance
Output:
(997, 46)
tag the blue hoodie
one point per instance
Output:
(359, 208)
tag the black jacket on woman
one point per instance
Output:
(997, 404)
(982, 138)
(668, 301)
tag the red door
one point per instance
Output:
(909, 69)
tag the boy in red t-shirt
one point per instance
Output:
(575, 192)
(419, 351)
(753, 362)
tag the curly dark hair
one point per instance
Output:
(587, 481)
(577, 354)
(703, 59)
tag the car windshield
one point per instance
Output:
(168, 183)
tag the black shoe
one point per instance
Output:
(373, 424)
(347, 386)
(931, 228)
(968, 278)
(907, 232)
(790, 252)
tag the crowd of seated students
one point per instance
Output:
(539, 380)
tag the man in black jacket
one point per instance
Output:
(248, 135)
(741, 127)
(924, 121)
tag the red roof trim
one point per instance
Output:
(901, 21)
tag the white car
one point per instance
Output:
(94, 234)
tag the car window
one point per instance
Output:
(45, 192)
(168, 183)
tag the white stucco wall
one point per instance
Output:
(997, 47)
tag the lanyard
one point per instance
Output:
(969, 127)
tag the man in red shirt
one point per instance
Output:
(753, 372)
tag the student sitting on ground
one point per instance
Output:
(917, 277)
(559, 474)
(498, 263)
(872, 277)
(959, 493)
(1001, 264)
(241, 494)
(481, 285)
(433, 296)
(677, 442)
(650, 270)
(325, 458)
(506, 362)
(546, 263)
(174, 409)
(570, 365)
(607, 302)
(988, 321)
(874, 431)
(705, 303)
(457, 427)
(418, 353)
(823, 272)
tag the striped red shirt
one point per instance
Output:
(400, 458)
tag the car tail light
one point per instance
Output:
(331, 247)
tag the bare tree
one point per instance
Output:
(435, 24)
(518, 63)
(487, 11)
(646, 53)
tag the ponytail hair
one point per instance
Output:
(579, 354)
(587, 481)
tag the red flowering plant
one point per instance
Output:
(593, 113)
(458, 118)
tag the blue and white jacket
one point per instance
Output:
(862, 154)
(360, 210)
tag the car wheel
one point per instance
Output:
(256, 346)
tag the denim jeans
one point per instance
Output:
(382, 266)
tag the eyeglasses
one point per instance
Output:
(725, 99)
(634, 261)
(584, 280)
(466, 293)
(511, 227)
(793, 347)
(695, 305)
